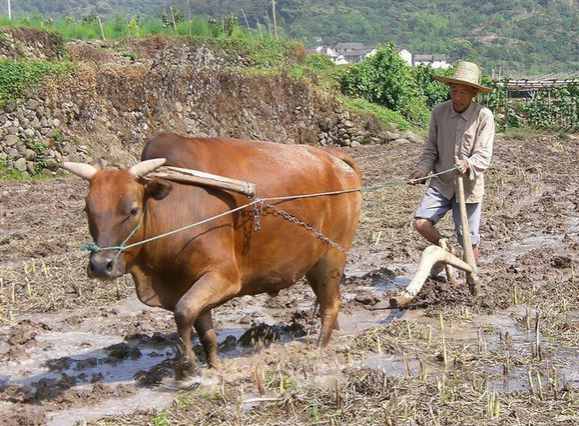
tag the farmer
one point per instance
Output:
(459, 127)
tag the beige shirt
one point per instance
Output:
(468, 135)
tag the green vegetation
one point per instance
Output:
(8, 173)
(385, 79)
(89, 26)
(517, 36)
(161, 420)
(19, 77)
(433, 92)
(385, 116)
(550, 108)
(260, 53)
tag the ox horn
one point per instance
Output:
(147, 166)
(83, 170)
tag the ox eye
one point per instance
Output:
(134, 211)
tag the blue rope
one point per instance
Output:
(94, 248)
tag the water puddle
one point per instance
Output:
(144, 400)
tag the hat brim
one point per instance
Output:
(449, 80)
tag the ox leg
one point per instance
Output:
(325, 278)
(191, 309)
(206, 332)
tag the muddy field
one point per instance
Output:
(74, 351)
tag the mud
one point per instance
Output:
(74, 350)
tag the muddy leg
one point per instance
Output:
(324, 278)
(206, 332)
(208, 290)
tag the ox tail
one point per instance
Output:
(349, 160)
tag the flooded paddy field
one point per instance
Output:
(75, 351)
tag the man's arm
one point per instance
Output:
(480, 160)
(430, 152)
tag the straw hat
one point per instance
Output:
(465, 73)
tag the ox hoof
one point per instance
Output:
(399, 301)
(185, 370)
(187, 383)
(215, 364)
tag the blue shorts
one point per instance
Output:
(434, 206)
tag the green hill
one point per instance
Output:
(518, 36)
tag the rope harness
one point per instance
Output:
(259, 204)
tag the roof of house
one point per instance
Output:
(429, 58)
(346, 46)
(358, 52)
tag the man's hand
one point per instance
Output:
(462, 166)
(415, 175)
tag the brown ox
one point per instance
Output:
(193, 271)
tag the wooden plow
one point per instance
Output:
(435, 254)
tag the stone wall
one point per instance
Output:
(28, 43)
(116, 101)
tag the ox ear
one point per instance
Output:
(85, 171)
(147, 166)
(158, 189)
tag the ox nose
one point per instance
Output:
(102, 265)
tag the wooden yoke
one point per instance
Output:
(177, 174)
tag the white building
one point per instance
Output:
(434, 61)
(406, 56)
(351, 53)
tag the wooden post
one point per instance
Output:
(259, 28)
(190, 17)
(268, 25)
(246, 21)
(506, 107)
(101, 27)
(274, 19)
(173, 18)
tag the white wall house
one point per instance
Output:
(406, 56)
(351, 53)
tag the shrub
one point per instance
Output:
(319, 62)
(433, 91)
(18, 77)
(384, 78)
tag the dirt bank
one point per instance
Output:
(75, 350)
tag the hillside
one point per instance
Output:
(520, 36)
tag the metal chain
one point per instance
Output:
(291, 218)
(257, 213)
